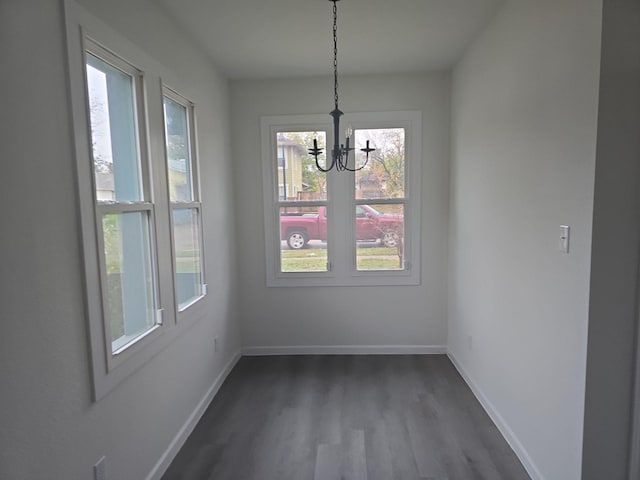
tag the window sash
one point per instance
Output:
(102, 211)
(134, 240)
(381, 185)
(387, 254)
(122, 283)
(191, 173)
(200, 287)
(192, 203)
(285, 170)
(317, 262)
(139, 115)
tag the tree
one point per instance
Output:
(102, 160)
(386, 162)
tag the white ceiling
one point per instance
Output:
(291, 38)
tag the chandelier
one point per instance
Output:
(341, 151)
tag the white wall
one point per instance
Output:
(50, 426)
(523, 155)
(616, 240)
(341, 316)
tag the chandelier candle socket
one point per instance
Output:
(341, 151)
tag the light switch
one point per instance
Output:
(564, 238)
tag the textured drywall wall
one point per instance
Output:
(523, 156)
(342, 316)
(50, 426)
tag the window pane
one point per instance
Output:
(178, 151)
(116, 160)
(298, 176)
(303, 233)
(383, 176)
(186, 237)
(129, 278)
(380, 237)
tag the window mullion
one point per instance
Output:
(341, 216)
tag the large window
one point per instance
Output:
(139, 199)
(342, 228)
(124, 213)
(184, 198)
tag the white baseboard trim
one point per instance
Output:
(499, 421)
(181, 437)
(345, 350)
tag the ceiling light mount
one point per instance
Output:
(341, 151)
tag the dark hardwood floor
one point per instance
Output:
(352, 417)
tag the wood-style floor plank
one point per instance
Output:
(344, 417)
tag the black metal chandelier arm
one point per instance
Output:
(339, 158)
(323, 169)
(345, 166)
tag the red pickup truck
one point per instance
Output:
(298, 228)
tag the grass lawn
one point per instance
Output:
(315, 259)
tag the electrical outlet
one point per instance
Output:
(215, 343)
(100, 469)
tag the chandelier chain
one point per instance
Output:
(340, 152)
(335, 53)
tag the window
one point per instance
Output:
(184, 199)
(380, 200)
(301, 203)
(139, 199)
(342, 228)
(124, 214)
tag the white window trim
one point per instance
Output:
(341, 195)
(109, 370)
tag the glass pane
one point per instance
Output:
(298, 175)
(303, 234)
(178, 151)
(116, 159)
(383, 176)
(130, 286)
(380, 237)
(186, 239)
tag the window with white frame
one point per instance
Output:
(342, 228)
(139, 199)
(182, 174)
(124, 211)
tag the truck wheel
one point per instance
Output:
(296, 240)
(390, 239)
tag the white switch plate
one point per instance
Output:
(564, 238)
